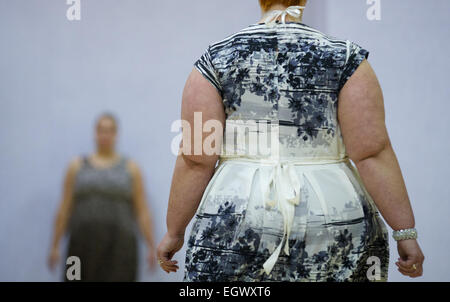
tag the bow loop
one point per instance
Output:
(295, 11)
(287, 186)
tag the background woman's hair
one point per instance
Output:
(266, 4)
(108, 115)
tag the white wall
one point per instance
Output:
(133, 57)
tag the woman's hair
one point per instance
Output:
(266, 4)
(107, 115)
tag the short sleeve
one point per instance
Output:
(205, 66)
(355, 56)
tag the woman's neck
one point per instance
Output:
(106, 154)
(278, 6)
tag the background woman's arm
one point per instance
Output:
(64, 211)
(142, 212)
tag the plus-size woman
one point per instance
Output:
(301, 211)
(103, 204)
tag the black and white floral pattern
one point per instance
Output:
(289, 75)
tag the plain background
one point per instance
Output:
(133, 57)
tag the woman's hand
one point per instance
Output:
(167, 248)
(53, 258)
(410, 256)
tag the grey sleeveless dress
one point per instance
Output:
(102, 226)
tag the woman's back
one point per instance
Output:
(288, 75)
(295, 208)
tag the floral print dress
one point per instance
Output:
(298, 211)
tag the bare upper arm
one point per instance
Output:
(69, 182)
(71, 173)
(139, 199)
(361, 114)
(200, 96)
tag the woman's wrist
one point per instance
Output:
(55, 244)
(150, 244)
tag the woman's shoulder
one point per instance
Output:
(75, 164)
(132, 165)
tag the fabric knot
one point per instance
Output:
(294, 11)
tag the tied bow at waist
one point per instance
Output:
(286, 185)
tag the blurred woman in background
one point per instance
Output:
(103, 197)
